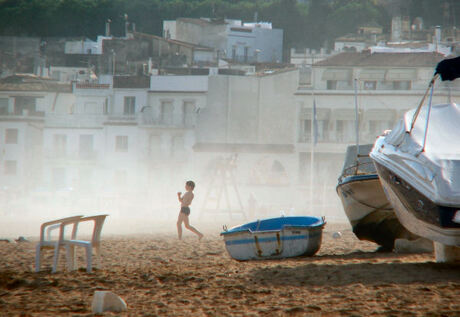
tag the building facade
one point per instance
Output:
(235, 40)
(387, 85)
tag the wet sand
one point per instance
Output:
(158, 275)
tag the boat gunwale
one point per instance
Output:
(320, 223)
(356, 178)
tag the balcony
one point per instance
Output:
(176, 122)
(54, 120)
(61, 155)
(24, 115)
(121, 119)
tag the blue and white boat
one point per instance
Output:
(275, 238)
(367, 208)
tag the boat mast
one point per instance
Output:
(356, 121)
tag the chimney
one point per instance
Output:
(126, 24)
(107, 27)
(437, 34)
(396, 29)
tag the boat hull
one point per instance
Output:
(417, 213)
(369, 211)
(288, 241)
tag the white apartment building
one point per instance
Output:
(74, 139)
(24, 101)
(388, 84)
(128, 143)
(235, 40)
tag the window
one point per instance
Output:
(370, 85)
(304, 76)
(322, 130)
(60, 144)
(331, 84)
(121, 143)
(10, 167)
(56, 75)
(11, 136)
(305, 130)
(402, 85)
(86, 146)
(105, 108)
(3, 106)
(129, 105)
(189, 113)
(344, 130)
(166, 116)
(23, 105)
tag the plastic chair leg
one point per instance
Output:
(71, 258)
(55, 259)
(89, 258)
(38, 257)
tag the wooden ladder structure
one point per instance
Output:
(223, 178)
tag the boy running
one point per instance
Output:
(185, 202)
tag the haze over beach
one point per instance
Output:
(157, 275)
(263, 125)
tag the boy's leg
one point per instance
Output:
(180, 219)
(189, 227)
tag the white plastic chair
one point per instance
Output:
(94, 243)
(48, 243)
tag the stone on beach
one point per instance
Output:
(104, 301)
(337, 235)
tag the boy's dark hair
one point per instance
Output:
(191, 184)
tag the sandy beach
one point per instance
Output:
(159, 275)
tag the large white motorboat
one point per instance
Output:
(366, 206)
(418, 163)
(420, 173)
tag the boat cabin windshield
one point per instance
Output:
(358, 164)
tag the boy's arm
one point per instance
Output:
(179, 197)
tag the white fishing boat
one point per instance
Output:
(419, 167)
(275, 238)
(367, 208)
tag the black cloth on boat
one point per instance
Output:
(449, 69)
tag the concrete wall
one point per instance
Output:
(209, 35)
(249, 109)
(268, 42)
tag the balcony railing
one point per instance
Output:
(23, 114)
(72, 156)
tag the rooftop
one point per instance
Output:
(30, 82)
(203, 22)
(363, 59)
(180, 43)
